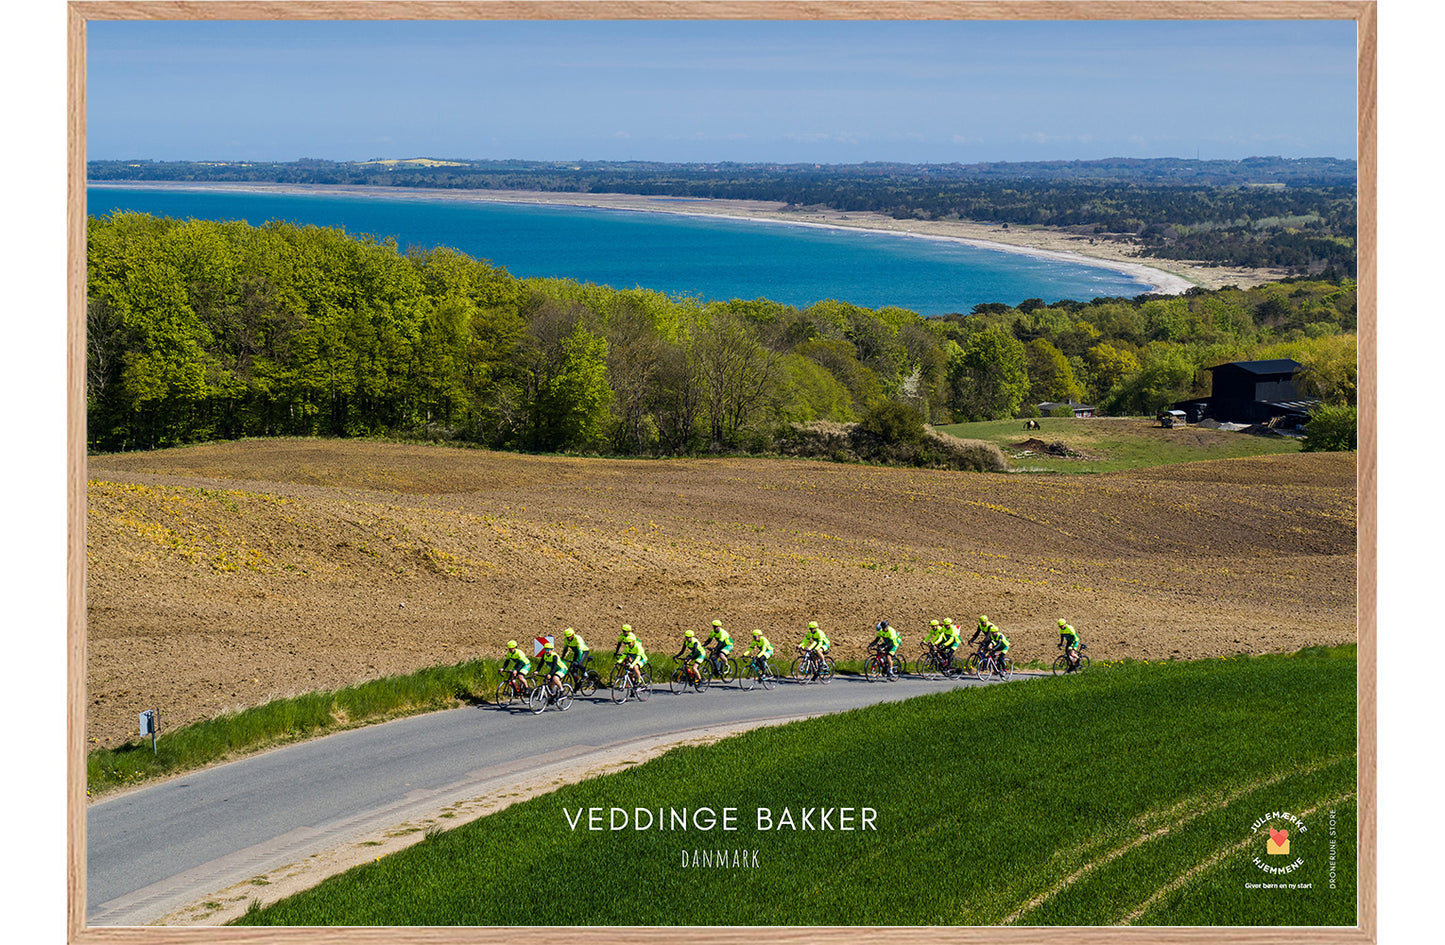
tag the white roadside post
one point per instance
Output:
(150, 724)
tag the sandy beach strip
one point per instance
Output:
(1165, 277)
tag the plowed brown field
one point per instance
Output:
(221, 576)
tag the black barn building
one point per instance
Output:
(1252, 392)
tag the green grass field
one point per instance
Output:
(1132, 794)
(1111, 444)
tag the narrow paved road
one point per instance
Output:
(152, 851)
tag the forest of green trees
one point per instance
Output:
(1298, 215)
(202, 330)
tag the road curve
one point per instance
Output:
(157, 849)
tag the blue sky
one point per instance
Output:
(828, 92)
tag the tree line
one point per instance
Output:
(201, 330)
(1299, 215)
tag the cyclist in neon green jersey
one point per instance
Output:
(764, 651)
(721, 640)
(816, 639)
(887, 641)
(983, 632)
(552, 666)
(997, 645)
(634, 657)
(577, 647)
(946, 641)
(516, 665)
(692, 654)
(1069, 637)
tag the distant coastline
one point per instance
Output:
(1165, 277)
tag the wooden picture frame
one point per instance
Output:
(1363, 14)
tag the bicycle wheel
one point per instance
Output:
(826, 670)
(644, 689)
(729, 670)
(586, 682)
(703, 682)
(769, 678)
(900, 665)
(537, 701)
(797, 670)
(1006, 667)
(928, 666)
(1083, 664)
(620, 685)
(1061, 665)
(749, 677)
(504, 695)
(873, 669)
(564, 698)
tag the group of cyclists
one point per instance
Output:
(944, 642)
(946, 637)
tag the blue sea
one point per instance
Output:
(701, 257)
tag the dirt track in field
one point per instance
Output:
(221, 576)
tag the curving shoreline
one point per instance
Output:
(1165, 277)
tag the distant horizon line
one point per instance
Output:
(728, 161)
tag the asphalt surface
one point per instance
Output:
(157, 849)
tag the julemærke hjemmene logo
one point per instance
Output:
(1277, 827)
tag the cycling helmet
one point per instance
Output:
(933, 623)
(568, 633)
(983, 617)
(1061, 621)
(717, 623)
(757, 633)
(881, 625)
(511, 644)
(627, 628)
(812, 624)
(630, 637)
(689, 634)
(547, 646)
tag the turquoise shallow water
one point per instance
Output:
(704, 257)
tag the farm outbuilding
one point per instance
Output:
(1252, 392)
(1054, 409)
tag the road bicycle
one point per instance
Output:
(882, 665)
(624, 687)
(509, 692)
(758, 671)
(1061, 664)
(584, 680)
(974, 663)
(933, 664)
(1001, 665)
(811, 666)
(680, 681)
(548, 694)
(722, 668)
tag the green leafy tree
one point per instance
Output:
(893, 422)
(1331, 428)
(1108, 366)
(1051, 376)
(988, 378)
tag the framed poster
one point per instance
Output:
(428, 346)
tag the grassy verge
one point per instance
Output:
(291, 719)
(1111, 444)
(1126, 795)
